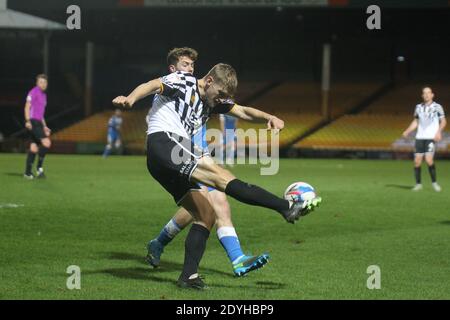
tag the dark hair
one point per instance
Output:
(41, 76)
(176, 53)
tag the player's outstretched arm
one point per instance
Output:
(411, 128)
(141, 91)
(258, 116)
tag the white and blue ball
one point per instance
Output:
(299, 191)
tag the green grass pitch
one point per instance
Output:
(98, 214)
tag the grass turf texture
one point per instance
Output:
(99, 214)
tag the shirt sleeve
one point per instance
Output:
(29, 96)
(416, 114)
(173, 85)
(440, 111)
(223, 107)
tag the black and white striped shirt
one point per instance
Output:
(428, 117)
(178, 108)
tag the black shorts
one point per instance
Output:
(171, 160)
(425, 146)
(37, 131)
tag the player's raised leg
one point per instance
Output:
(211, 174)
(226, 233)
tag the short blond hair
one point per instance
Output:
(225, 76)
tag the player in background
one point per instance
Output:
(35, 123)
(183, 59)
(113, 138)
(228, 126)
(182, 106)
(429, 120)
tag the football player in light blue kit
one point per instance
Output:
(113, 139)
(183, 59)
(228, 125)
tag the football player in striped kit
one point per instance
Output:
(182, 106)
(429, 120)
(183, 59)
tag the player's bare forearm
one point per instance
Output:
(145, 89)
(254, 115)
(250, 114)
(141, 91)
(411, 128)
(442, 124)
(27, 111)
(27, 116)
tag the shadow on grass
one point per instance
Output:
(270, 285)
(138, 273)
(446, 222)
(399, 186)
(166, 266)
(135, 273)
(14, 174)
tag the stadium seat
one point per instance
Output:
(379, 126)
(363, 131)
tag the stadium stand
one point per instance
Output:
(403, 98)
(360, 131)
(93, 129)
(346, 95)
(297, 103)
(300, 104)
(377, 127)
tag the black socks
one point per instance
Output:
(432, 171)
(254, 195)
(417, 174)
(42, 152)
(30, 160)
(195, 246)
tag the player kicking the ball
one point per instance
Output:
(429, 122)
(181, 107)
(183, 59)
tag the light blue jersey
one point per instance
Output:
(229, 127)
(114, 125)
(199, 139)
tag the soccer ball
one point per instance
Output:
(299, 191)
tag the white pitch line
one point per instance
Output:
(10, 205)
